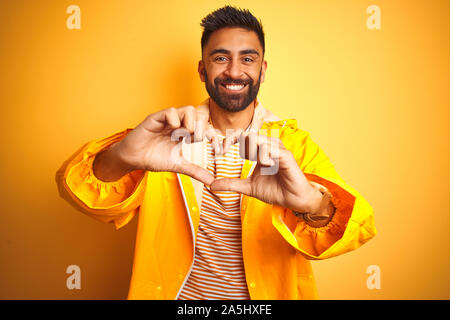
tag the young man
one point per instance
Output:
(237, 209)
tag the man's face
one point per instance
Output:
(232, 67)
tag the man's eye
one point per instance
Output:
(248, 60)
(221, 59)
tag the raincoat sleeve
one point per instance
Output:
(109, 202)
(352, 224)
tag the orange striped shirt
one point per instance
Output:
(218, 272)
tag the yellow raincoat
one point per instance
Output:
(276, 245)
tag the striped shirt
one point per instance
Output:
(218, 269)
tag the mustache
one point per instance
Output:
(226, 81)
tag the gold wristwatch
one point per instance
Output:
(326, 208)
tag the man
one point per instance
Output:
(236, 209)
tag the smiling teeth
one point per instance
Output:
(235, 87)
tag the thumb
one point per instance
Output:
(196, 172)
(229, 184)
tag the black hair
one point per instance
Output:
(229, 16)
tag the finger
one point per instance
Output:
(264, 155)
(179, 134)
(196, 172)
(248, 145)
(213, 135)
(200, 126)
(253, 145)
(188, 116)
(243, 144)
(157, 122)
(230, 139)
(229, 184)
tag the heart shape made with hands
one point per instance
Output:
(250, 148)
(155, 145)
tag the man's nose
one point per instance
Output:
(234, 70)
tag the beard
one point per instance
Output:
(232, 102)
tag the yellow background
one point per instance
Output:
(376, 101)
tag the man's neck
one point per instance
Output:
(223, 120)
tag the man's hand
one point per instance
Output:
(287, 186)
(153, 145)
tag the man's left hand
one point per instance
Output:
(276, 179)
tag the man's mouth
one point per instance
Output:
(234, 87)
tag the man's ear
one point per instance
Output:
(201, 70)
(263, 71)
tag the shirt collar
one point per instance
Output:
(260, 115)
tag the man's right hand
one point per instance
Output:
(151, 146)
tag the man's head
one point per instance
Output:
(232, 64)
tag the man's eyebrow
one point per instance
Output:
(242, 52)
(249, 51)
(224, 51)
